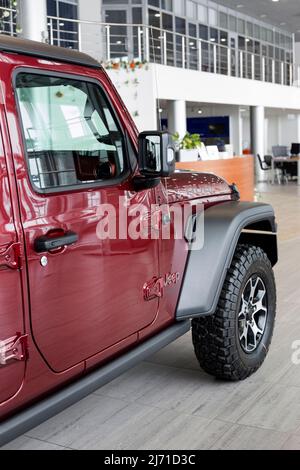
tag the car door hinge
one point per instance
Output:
(14, 349)
(10, 256)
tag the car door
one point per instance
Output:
(86, 285)
(12, 338)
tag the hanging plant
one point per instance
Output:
(131, 65)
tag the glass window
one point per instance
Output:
(270, 36)
(242, 43)
(223, 20)
(167, 22)
(214, 35)
(264, 34)
(241, 26)
(167, 5)
(203, 32)
(178, 6)
(154, 18)
(192, 30)
(180, 25)
(191, 9)
(249, 29)
(154, 3)
(232, 23)
(250, 45)
(137, 16)
(202, 13)
(271, 52)
(71, 135)
(257, 47)
(66, 10)
(256, 31)
(51, 7)
(224, 38)
(212, 17)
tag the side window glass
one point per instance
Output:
(71, 136)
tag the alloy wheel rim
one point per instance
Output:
(252, 318)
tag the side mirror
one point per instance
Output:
(156, 154)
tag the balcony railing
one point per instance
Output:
(8, 23)
(127, 42)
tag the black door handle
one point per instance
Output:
(47, 243)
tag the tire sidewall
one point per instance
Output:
(262, 269)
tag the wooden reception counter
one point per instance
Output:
(238, 170)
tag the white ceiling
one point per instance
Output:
(284, 13)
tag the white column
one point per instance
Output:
(92, 37)
(33, 20)
(258, 136)
(298, 140)
(177, 117)
(236, 131)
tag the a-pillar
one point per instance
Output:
(177, 117)
(33, 20)
(258, 137)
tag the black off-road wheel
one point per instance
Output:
(233, 343)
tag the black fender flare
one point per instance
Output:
(225, 225)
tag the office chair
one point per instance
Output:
(266, 165)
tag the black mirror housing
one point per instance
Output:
(156, 154)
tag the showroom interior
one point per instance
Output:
(227, 72)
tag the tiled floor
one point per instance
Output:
(167, 402)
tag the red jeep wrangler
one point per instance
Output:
(85, 294)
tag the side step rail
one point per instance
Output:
(54, 404)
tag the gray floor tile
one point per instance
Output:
(250, 438)
(277, 409)
(80, 419)
(292, 443)
(28, 443)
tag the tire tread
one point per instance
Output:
(214, 337)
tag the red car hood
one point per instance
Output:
(185, 185)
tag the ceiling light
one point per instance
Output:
(263, 15)
(213, 39)
(160, 110)
(61, 24)
(275, 0)
(200, 111)
(192, 43)
(247, 40)
(240, 5)
(119, 42)
(223, 40)
(157, 15)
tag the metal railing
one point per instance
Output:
(126, 42)
(8, 23)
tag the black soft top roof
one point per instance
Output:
(44, 51)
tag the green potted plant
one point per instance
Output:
(188, 147)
